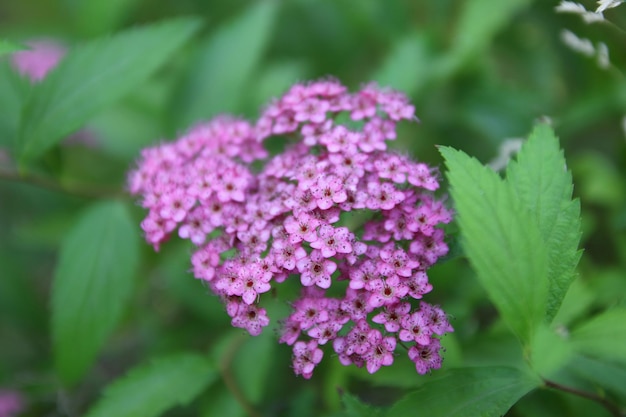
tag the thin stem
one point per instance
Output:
(612, 408)
(229, 379)
(84, 191)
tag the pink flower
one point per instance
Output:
(311, 109)
(259, 220)
(316, 270)
(426, 357)
(306, 356)
(333, 240)
(287, 254)
(11, 403)
(391, 316)
(251, 318)
(415, 328)
(381, 351)
(254, 282)
(35, 63)
(301, 227)
(327, 191)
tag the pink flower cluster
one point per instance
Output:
(292, 219)
(35, 63)
(11, 403)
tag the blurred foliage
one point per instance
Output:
(479, 72)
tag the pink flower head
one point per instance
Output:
(333, 205)
(11, 403)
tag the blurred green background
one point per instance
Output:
(478, 71)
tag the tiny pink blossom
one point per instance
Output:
(251, 318)
(316, 270)
(426, 357)
(381, 351)
(333, 240)
(391, 316)
(415, 328)
(328, 190)
(254, 282)
(306, 356)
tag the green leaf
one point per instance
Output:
(604, 374)
(408, 67)
(545, 187)
(95, 17)
(151, 389)
(502, 241)
(353, 407)
(93, 76)
(224, 66)
(92, 285)
(14, 90)
(8, 47)
(479, 22)
(485, 392)
(603, 336)
(549, 352)
(577, 302)
(251, 372)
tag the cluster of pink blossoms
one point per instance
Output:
(287, 221)
(35, 63)
(11, 403)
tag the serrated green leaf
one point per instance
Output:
(502, 242)
(485, 392)
(93, 76)
(544, 185)
(8, 47)
(151, 389)
(353, 407)
(603, 336)
(92, 285)
(408, 67)
(224, 65)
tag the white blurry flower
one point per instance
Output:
(582, 45)
(508, 148)
(570, 7)
(579, 9)
(603, 55)
(607, 4)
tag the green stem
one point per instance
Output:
(229, 379)
(612, 408)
